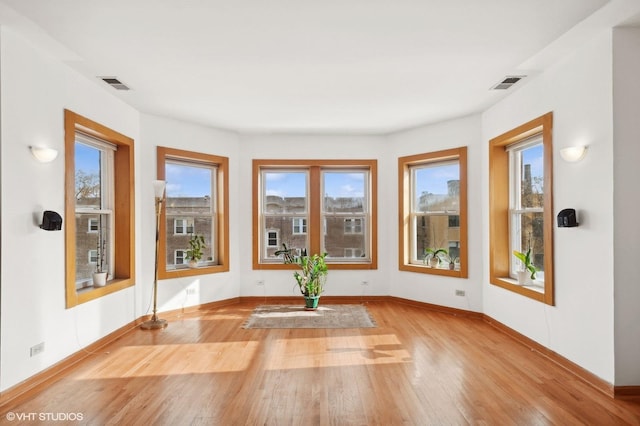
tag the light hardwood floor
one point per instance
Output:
(417, 367)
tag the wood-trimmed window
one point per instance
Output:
(118, 213)
(197, 199)
(324, 193)
(521, 206)
(432, 190)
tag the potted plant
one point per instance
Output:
(452, 261)
(312, 275)
(196, 250)
(433, 256)
(528, 271)
(100, 275)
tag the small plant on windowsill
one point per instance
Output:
(528, 271)
(196, 250)
(452, 261)
(434, 256)
(100, 275)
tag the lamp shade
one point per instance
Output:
(44, 154)
(158, 188)
(573, 153)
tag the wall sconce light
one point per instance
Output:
(573, 154)
(44, 154)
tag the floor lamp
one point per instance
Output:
(155, 323)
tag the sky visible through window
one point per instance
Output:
(534, 157)
(193, 181)
(87, 159)
(433, 178)
(187, 180)
(336, 184)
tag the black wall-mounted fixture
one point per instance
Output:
(567, 218)
(51, 221)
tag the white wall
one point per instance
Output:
(36, 88)
(157, 131)
(436, 289)
(579, 92)
(339, 283)
(626, 153)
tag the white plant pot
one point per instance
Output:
(433, 262)
(99, 279)
(523, 277)
(193, 263)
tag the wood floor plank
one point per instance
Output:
(417, 367)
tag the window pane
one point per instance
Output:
(180, 256)
(532, 172)
(434, 232)
(531, 235)
(190, 191)
(272, 238)
(92, 248)
(345, 237)
(344, 192)
(87, 176)
(299, 225)
(436, 187)
(285, 192)
(279, 230)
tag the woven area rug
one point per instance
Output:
(326, 316)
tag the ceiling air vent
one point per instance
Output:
(115, 83)
(509, 81)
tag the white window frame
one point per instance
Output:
(264, 216)
(299, 226)
(415, 215)
(364, 216)
(183, 257)
(350, 253)
(92, 256)
(186, 223)
(516, 211)
(353, 225)
(90, 229)
(107, 195)
(267, 239)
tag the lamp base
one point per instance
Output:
(154, 324)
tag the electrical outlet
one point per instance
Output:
(191, 291)
(260, 282)
(364, 282)
(460, 293)
(37, 349)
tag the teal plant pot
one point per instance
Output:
(311, 302)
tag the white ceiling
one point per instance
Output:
(353, 66)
